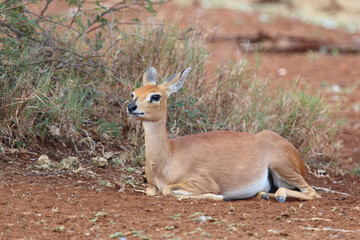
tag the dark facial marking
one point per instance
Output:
(132, 106)
(155, 98)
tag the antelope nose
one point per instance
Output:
(132, 107)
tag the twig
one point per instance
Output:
(75, 15)
(17, 31)
(327, 190)
(91, 141)
(6, 1)
(73, 141)
(13, 7)
(264, 41)
(312, 219)
(316, 174)
(139, 190)
(112, 8)
(49, 173)
(46, 7)
(65, 26)
(326, 229)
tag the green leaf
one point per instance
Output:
(116, 235)
(150, 7)
(176, 216)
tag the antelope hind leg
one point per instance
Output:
(282, 193)
(307, 192)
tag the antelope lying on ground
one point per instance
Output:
(219, 165)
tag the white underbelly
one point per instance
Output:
(249, 190)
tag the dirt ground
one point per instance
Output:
(71, 206)
(110, 202)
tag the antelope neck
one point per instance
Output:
(157, 145)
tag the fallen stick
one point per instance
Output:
(139, 190)
(48, 173)
(311, 219)
(326, 229)
(327, 190)
(265, 41)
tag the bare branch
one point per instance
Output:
(65, 26)
(17, 32)
(46, 7)
(113, 8)
(14, 7)
(47, 173)
(326, 229)
(327, 190)
(75, 15)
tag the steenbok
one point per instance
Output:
(219, 165)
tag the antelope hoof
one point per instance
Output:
(151, 191)
(315, 195)
(181, 197)
(265, 196)
(281, 199)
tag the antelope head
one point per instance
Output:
(149, 101)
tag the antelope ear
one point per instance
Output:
(149, 76)
(175, 81)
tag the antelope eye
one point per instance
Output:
(155, 98)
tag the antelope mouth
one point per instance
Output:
(136, 114)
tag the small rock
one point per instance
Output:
(264, 17)
(108, 155)
(54, 131)
(100, 161)
(58, 229)
(203, 218)
(356, 109)
(336, 88)
(282, 71)
(70, 163)
(44, 160)
(45, 166)
(85, 172)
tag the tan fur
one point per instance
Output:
(214, 164)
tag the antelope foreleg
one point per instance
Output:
(186, 190)
(265, 195)
(152, 191)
